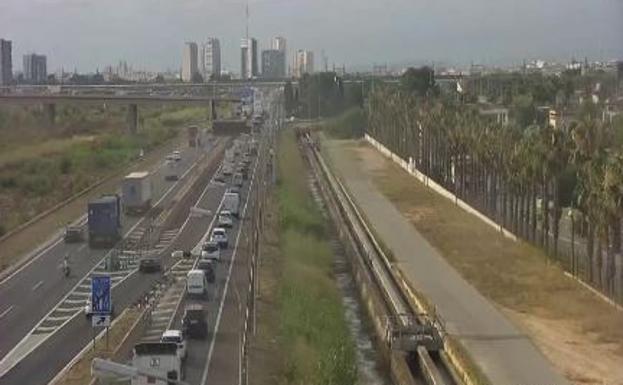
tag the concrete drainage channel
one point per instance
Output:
(409, 341)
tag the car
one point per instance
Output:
(177, 156)
(73, 234)
(219, 177)
(225, 219)
(169, 158)
(176, 337)
(194, 321)
(211, 250)
(150, 263)
(227, 170)
(208, 266)
(219, 235)
(233, 189)
(237, 180)
(244, 172)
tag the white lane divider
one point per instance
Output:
(38, 285)
(5, 312)
(44, 330)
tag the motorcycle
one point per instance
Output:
(66, 270)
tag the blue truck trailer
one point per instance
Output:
(104, 221)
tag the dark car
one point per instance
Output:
(149, 264)
(207, 265)
(194, 322)
(73, 234)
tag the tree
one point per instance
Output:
(196, 78)
(420, 81)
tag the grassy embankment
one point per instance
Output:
(350, 124)
(309, 319)
(567, 322)
(41, 166)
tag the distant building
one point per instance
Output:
(6, 63)
(279, 43)
(35, 68)
(211, 59)
(273, 64)
(304, 63)
(189, 61)
(248, 58)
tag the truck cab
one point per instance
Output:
(159, 358)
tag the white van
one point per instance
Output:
(231, 203)
(196, 283)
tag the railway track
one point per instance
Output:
(407, 328)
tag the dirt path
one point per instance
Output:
(579, 333)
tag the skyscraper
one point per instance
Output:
(279, 43)
(35, 68)
(248, 58)
(211, 58)
(6, 63)
(304, 63)
(273, 64)
(189, 61)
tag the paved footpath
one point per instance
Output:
(506, 356)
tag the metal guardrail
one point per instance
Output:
(408, 328)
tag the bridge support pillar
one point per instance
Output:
(50, 110)
(133, 118)
(213, 110)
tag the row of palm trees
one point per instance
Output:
(521, 177)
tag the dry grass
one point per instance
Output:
(80, 373)
(561, 316)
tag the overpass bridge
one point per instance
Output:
(132, 101)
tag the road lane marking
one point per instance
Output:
(40, 334)
(206, 368)
(7, 311)
(38, 285)
(56, 239)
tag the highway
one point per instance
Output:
(43, 310)
(30, 293)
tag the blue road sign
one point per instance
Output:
(100, 295)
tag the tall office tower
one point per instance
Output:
(189, 61)
(211, 58)
(304, 63)
(35, 68)
(6, 63)
(248, 58)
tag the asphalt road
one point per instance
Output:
(31, 292)
(503, 352)
(49, 358)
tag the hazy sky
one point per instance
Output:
(150, 33)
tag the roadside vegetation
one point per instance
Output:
(41, 166)
(308, 316)
(567, 322)
(349, 124)
(558, 187)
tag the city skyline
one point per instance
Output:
(454, 32)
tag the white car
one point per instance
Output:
(176, 155)
(211, 250)
(177, 337)
(225, 219)
(219, 235)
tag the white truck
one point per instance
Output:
(171, 170)
(158, 358)
(136, 192)
(231, 203)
